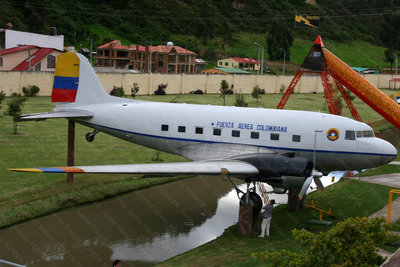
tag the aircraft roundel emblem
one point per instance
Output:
(333, 134)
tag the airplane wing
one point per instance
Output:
(232, 167)
(75, 113)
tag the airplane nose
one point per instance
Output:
(389, 152)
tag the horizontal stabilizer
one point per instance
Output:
(74, 113)
(234, 167)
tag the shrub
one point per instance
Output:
(240, 101)
(117, 91)
(197, 92)
(134, 89)
(30, 90)
(161, 89)
(352, 242)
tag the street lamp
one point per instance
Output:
(284, 60)
(262, 57)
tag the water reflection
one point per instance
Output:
(140, 228)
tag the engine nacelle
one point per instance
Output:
(277, 165)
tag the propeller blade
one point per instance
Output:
(306, 185)
(319, 184)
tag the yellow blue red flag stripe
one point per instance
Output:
(66, 78)
(51, 170)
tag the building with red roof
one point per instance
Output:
(28, 57)
(243, 63)
(164, 58)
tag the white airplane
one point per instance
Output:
(283, 148)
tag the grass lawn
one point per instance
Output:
(347, 199)
(40, 144)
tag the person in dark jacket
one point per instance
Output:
(267, 218)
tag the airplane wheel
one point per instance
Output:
(89, 137)
(254, 200)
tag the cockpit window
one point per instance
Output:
(362, 134)
(350, 135)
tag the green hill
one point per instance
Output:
(213, 29)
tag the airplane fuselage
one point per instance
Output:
(204, 132)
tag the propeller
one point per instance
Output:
(314, 175)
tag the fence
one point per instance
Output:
(13, 81)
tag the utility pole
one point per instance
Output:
(29, 59)
(150, 60)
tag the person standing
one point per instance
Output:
(267, 218)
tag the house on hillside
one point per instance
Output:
(238, 62)
(158, 59)
(29, 57)
(218, 70)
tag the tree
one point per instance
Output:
(14, 109)
(352, 242)
(256, 92)
(279, 38)
(390, 56)
(390, 33)
(224, 88)
(2, 97)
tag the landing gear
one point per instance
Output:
(250, 207)
(90, 136)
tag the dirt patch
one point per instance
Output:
(392, 136)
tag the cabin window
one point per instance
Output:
(350, 135)
(164, 127)
(368, 133)
(361, 134)
(254, 135)
(181, 129)
(199, 130)
(217, 131)
(1, 61)
(235, 133)
(275, 136)
(296, 138)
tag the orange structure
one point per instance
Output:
(362, 88)
(321, 60)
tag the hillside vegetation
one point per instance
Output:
(211, 28)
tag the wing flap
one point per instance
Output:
(73, 113)
(233, 167)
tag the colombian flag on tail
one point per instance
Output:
(66, 78)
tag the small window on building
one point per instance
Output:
(220, 63)
(275, 136)
(217, 131)
(51, 62)
(1, 61)
(235, 133)
(254, 135)
(164, 127)
(38, 66)
(199, 130)
(226, 63)
(350, 135)
(181, 129)
(296, 138)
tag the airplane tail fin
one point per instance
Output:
(76, 83)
